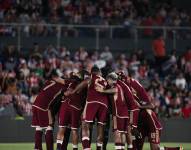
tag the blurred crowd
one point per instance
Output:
(93, 12)
(168, 84)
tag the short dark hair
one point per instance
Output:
(54, 73)
(95, 69)
(83, 73)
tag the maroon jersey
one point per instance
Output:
(76, 100)
(96, 97)
(142, 97)
(131, 103)
(48, 94)
(119, 105)
(138, 91)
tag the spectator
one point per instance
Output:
(64, 52)
(106, 54)
(159, 50)
(24, 68)
(180, 82)
(81, 54)
(187, 55)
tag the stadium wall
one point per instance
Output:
(117, 45)
(175, 130)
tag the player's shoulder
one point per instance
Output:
(135, 81)
(123, 84)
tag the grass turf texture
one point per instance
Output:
(29, 146)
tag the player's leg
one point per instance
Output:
(86, 135)
(64, 121)
(118, 140)
(38, 129)
(49, 138)
(66, 138)
(100, 135)
(49, 133)
(118, 126)
(106, 132)
(138, 143)
(75, 139)
(75, 124)
(129, 139)
(123, 140)
(138, 137)
(60, 137)
(38, 138)
(89, 114)
(102, 114)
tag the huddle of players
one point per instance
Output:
(86, 100)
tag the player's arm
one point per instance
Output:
(148, 105)
(106, 91)
(79, 87)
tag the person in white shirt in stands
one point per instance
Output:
(180, 81)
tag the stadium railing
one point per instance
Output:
(96, 32)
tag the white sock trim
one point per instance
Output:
(162, 148)
(85, 138)
(130, 146)
(74, 146)
(59, 141)
(118, 147)
(99, 144)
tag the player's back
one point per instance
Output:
(47, 94)
(138, 91)
(142, 97)
(93, 95)
(132, 105)
(76, 100)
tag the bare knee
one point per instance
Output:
(117, 137)
(75, 137)
(60, 134)
(85, 129)
(100, 133)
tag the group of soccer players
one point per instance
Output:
(87, 99)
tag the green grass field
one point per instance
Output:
(29, 146)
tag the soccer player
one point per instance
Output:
(70, 113)
(96, 107)
(42, 117)
(134, 109)
(149, 125)
(119, 109)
